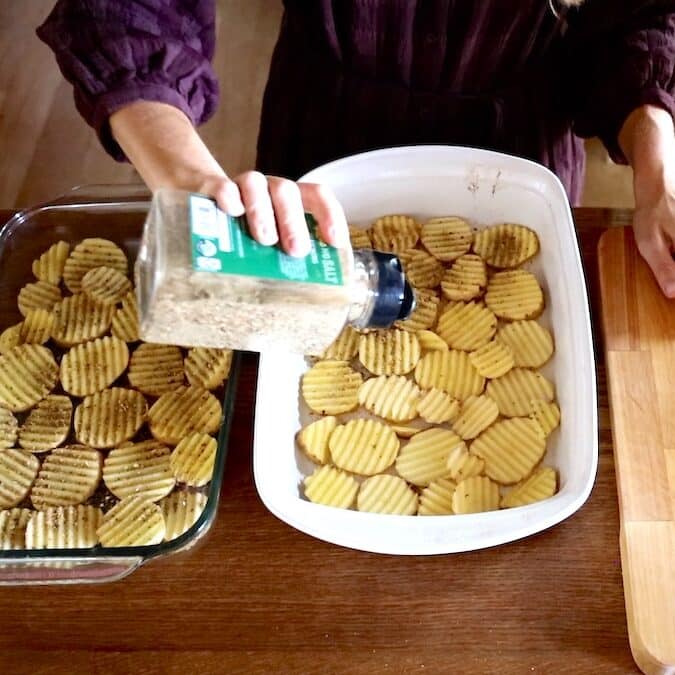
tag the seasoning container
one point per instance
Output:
(202, 280)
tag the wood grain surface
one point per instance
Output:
(258, 596)
(639, 329)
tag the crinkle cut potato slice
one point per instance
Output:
(27, 374)
(331, 387)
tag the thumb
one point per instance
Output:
(656, 250)
(226, 193)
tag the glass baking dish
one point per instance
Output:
(116, 213)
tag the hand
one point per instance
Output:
(654, 227)
(648, 141)
(166, 150)
(275, 209)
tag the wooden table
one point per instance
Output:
(258, 596)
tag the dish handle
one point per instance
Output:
(102, 193)
(68, 570)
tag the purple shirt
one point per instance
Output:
(353, 75)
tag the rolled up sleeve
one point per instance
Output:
(115, 52)
(622, 63)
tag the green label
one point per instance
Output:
(222, 243)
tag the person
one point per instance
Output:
(526, 77)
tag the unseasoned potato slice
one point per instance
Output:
(366, 447)
(331, 387)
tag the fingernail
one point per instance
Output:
(234, 207)
(233, 203)
(337, 235)
(298, 248)
(237, 209)
(268, 235)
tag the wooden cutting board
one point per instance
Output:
(639, 327)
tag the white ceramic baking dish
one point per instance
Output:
(486, 188)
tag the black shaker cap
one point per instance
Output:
(395, 298)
